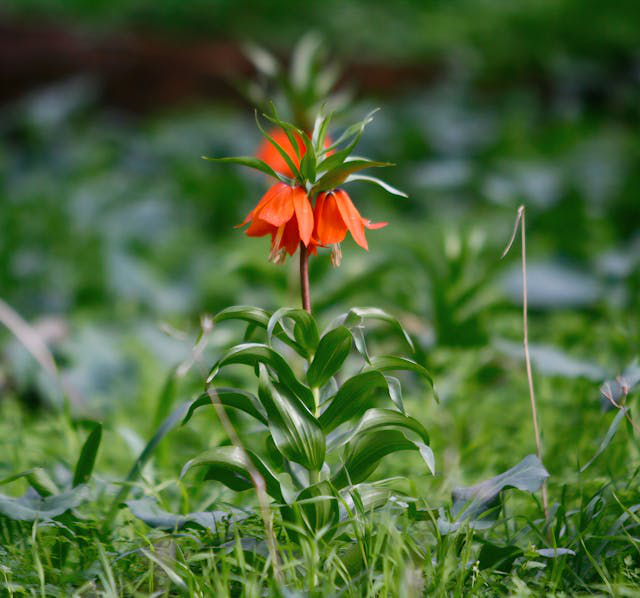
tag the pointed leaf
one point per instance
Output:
(295, 432)
(333, 349)
(230, 397)
(364, 454)
(305, 332)
(376, 181)
(254, 353)
(87, 459)
(228, 464)
(251, 162)
(353, 398)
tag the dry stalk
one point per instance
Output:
(520, 219)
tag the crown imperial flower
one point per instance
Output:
(335, 214)
(285, 213)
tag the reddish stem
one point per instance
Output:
(304, 278)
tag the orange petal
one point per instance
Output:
(304, 214)
(330, 226)
(273, 190)
(260, 228)
(373, 225)
(279, 209)
(351, 218)
(291, 237)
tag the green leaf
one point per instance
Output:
(257, 317)
(375, 420)
(611, 432)
(480, 503)
(146, 509)
(338, 175)
(364, 454)
(254, 353)
(305, 332)
(316, 505)
(32, 507)
(376, 181)
(355, 129)
(279, 148)
(393, 363)
(353, 398)
(333, 349)
(87, 459)
(167, 425)
(230, 397)
(356, 315)
(295, 432)
(228, 464)
(42, 483)
(251, 162)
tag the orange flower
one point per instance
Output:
(285, 213)
(334, 214)
(269, 154)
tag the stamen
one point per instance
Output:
(336, 255)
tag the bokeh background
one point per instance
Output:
(115, 236)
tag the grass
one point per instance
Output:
(122, 237)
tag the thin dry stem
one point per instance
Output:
(520, 219)
(29, 337)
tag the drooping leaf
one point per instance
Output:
(387, 363)
(376, 181)
(305, 331)
(146, 509)
(375, 420)
(32, 507)
(611, 432)
(483, 499)
(333, 349)
(295, 432)
(255, 316)
(254, 353)
(353, 398)
(339, 174)
(356, 315)
(228, 464)
(250, 162)
(363, 455)
(87, 458)
(230, 397)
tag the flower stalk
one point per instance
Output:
(304, 278)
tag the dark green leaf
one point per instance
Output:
(305, 331)
(230, 397)
(254, 353)
(393, 363)
(285, 156)
(295, 432)
(228, 464)
(364, 454)
(339, 174)
(87, 459)
(611, 432)
(333, 349)
(375, 420)
(355, 316)
(251, 162)
(353, 398)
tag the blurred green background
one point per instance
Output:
(115, 236)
